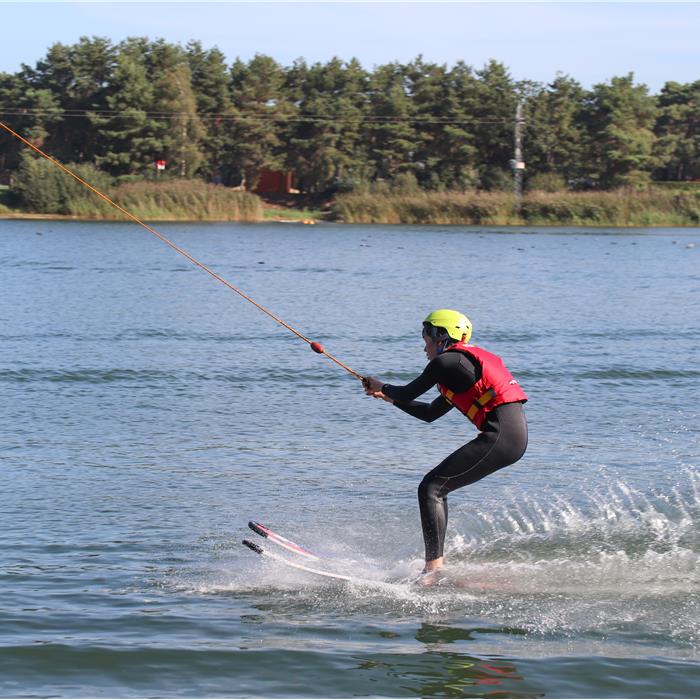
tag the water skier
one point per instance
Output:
(479, 385)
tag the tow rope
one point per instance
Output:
(316, 347)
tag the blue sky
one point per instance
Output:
(590, 41)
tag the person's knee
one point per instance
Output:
(430, 489)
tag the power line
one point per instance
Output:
(225, 117)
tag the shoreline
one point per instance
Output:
(24, 216)
(618, 209)
(194, 201)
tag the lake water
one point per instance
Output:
(149, 413)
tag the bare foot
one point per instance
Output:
(429, 578)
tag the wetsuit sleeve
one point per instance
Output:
(451, 369)
(425, 411)
(426, 380)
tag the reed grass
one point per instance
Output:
(615, 208)
(4, 199)
(290, 214)
(425, 208)
(187, 200)
(43, 189)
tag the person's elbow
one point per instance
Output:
(430, 418)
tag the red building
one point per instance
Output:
(275, 182)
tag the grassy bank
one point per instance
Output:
(289, 214)
(194, 200)
(187, 200)
(5, 199)
(655, 207)
(173, 200)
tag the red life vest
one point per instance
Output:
(495, 387)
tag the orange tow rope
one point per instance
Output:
(316, 347)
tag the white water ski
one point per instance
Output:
(295, 565)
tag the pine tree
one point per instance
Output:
(210, 83)
(444, 102)
(129, 133)
(495, 111)
(336, 125)
(678, 130)
(390, 127)
(31, 111)
(620, 118)
(555, 141)
(78, 78)
(425, 85)
(181, 141)
(256, 134)
(325, 142)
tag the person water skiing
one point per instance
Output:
(479, 385)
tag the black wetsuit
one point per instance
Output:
(501, 442)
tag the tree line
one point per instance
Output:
(339, 126)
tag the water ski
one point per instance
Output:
(271, 536)
(277, 539)
(265, 532)
(293, 564)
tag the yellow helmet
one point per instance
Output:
(455, 324)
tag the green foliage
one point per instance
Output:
(425, 208)
(555, 131)
(182, 132)
(397, 129)
(678, 186)
(326, 147)
(43, 188)
(678, 130)
(496, 179)
(187, 200)
(256, 134)
(210, 84)
(446, 104)
(405, 183)
(390, 132)
(496, 101)
(71, 80)
(546, 182)
(5, 199)
(621, 117)
(624, 207)
(35, 113)
(130, 140)
(687, 204)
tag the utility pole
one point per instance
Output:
(517, 162)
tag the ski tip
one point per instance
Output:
(257, 528)
(251, 545)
